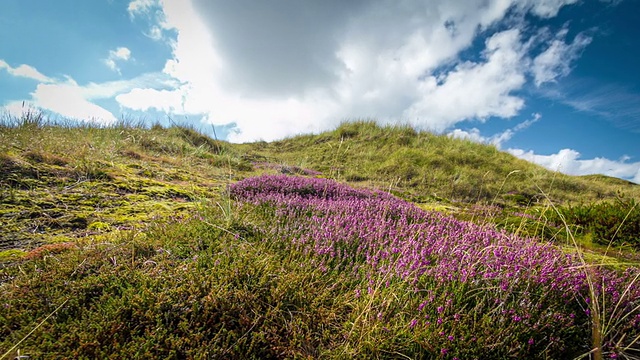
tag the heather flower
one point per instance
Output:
(379, 238)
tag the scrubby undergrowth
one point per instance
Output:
(62, 183)
(127, 242)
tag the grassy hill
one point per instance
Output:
(426, 167)
(128, 241)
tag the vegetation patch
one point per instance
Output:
(609, 223)
(130, 242)
(457, 287)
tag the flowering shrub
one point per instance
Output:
(467, 281)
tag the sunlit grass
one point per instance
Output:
(136, 242)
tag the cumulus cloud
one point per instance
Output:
(14, 108)
(169, 101)
(117, 55)
(71, 101)
(24, 71)
(277, 48)
(474, 90)
(568, 161)
(67, 98)
(282, 68)
(63, 97)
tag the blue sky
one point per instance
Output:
(551, 81)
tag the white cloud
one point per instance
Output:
(474, 90)
(121, 53)
(150, 11)
(66, 97)
(546, 8)
(14, 108)
(169, 101)
(473, 135)
(140, 7)
(568, 161)
(25, 71)
(155, 33)
(497, 139)
(556, 60)
(281, 68)
(71, 101)
(117, 55)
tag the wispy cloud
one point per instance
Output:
(556, 60)
(497, 139)
(150, 11)
(141, 7)
(613, 102)
(24, 71)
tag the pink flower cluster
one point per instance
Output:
(343, 225)
(378, 236)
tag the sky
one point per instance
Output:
(554, 82)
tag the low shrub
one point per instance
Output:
(616, 223)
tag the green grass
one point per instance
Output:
(423, 167)
(120, 242)
(80, 180)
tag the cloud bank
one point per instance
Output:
(568, 161)
(280, 68)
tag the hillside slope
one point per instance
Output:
(62, 182)
(127, 242)
(427, 167)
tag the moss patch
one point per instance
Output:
(118, 179)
